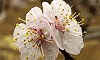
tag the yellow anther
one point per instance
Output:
(77, 22)
(33, 31)
(35, 46)
(23, 28)
(56, 20)
(78, 13)
(33, 55)
(43, 57)
(52, 7)
(42, 36)
(44, 29)
(18, 18)
(74, 20)
(68, 10)
(60, 4)
(27, 37)
(62, 9)
(82, 23)
(66, 21)
(27, 57)
(83, 19)
(24, 40)
(67, 29)
(16, 48)
(75, 29)
(66, 3)
(37, 37)
(17, 33)
(79, 34)
(72, 6)
(85, 32)
(28, 41)
(70, 17)
(52, 42)
(29, 27)
(31, 13)
(75, 12)
(14, 41)
(51, 2)
(17, 24)
(65, 17)
(31, 38)
(68, 24)
(34, 19)
(64, 24)
(27, 19)
(66, 14)
(24, 43)
(61, 13)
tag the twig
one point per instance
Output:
(66, 55)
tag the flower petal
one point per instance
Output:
(73, 44)
(49, 50)
(34, 13)
(58, 37)
(29, 51)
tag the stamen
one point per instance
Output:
(27, 57)
(62, 9)
(44, 29)
(17, 33)
(35, 46)
(33, 55)
(67, 29)
(21, 20)
(17, 24)
(27, 19)
(16, 48)
(52, 7)
(23, 28)
(71, 6)
(34, 19)
(43, 57)
(52, 42)
(24, 43)
(61, 13)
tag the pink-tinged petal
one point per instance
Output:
(48, 12)
(58, 37)
(50, 51)
(34, 13)
(73, 44)
(19, 34)
(29, 51)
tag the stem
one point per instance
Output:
(66, 55)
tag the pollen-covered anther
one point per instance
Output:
(56, 20)
(33, 55)
(75, 12)
(78, 13)
(27, 37)
(62, 9)
(27, 57)
(17, 24)
(52, 42)
(67, 29)
(85, 32)
(31, 38)
(37, 37)
(74, 20)
(65, 17)
(23, 28)
(60, 4)
(24, 43)
(75, 29)
(77, 22)
(66, 14)
(61, 13)
(66, 3)
(35, 46)
(17, 33)
(83, 19)
(28, 41)
(66, 21)
(70, 17)
(44, 29)
(68, 24)
(27, 19)
(31, 13)
(16, 48)
(34, 19)
(29, 28)
(18, 18)
(42, 36)
(79, 34)
(72, 6)
(51, 2)
(43, 57)
(64, 24)
(52, 7)
(82, 23)
(14, 41)
(24, 40)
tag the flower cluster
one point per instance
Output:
(48, 31)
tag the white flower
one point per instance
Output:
(66, 31)
(34, 36)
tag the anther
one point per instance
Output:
(24, 43)
(65, 17)
(16, 48)
(43, 57)
(60, 4)
(82, 23)
(44, 29)
(27, 19)
(42, 36)
(83, 19)
(27, 57)
(33, 55)
(85, 32)
(66, 3)
(78, 13)
(71, 6)
(35, 46)
(79, 34)
(31, 13)
(61, 13)
(17, 24)
(52, 42)
(75, 29)
(51, 2)
(34, 19)
(23, 28)
(17, 33)
(29, 28)
(67, 29)
(62, 9)
(18, 18)
(52, 7)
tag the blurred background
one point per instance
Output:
(11, 10)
